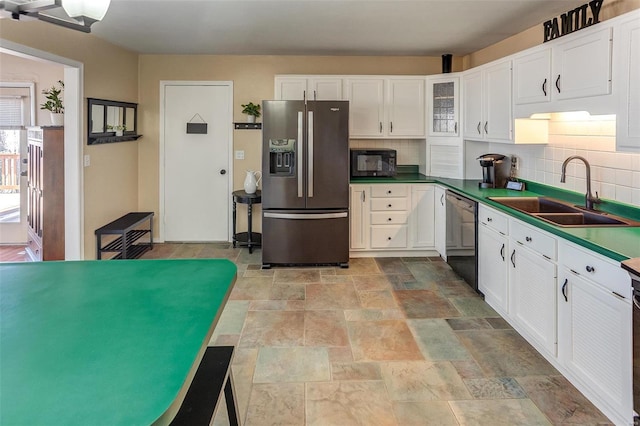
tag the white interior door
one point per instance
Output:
(196, 166)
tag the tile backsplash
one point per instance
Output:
(614, 175)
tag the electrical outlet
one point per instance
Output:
(87, 160)
(515, 164)
(239, 155)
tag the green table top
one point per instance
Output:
(104, 342)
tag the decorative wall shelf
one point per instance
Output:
(96, 140)
(248, 126)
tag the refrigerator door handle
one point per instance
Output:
(310, 148)
(300, 162)
(306, 216)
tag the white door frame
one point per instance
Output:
(163, 85)
(73, 141)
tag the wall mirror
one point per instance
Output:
(111, 121)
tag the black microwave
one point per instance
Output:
(373, 162)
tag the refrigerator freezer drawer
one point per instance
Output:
(305, 238)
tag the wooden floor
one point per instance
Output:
(13, 254)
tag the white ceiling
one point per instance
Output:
(321, 27)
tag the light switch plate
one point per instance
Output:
(239, 155)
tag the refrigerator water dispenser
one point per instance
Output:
(282, 157)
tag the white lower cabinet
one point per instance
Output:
(594, 330)
(493, 251)
(392, 218)
(571, 304)
(532, 297)
(359, 217)
(422, 216)
(532, 285)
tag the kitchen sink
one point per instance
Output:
(562, 214)
(535, 204)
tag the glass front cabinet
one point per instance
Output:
(444, 105)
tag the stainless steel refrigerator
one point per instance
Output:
(305, 183)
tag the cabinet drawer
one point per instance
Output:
(494, 220)
(534, 239)
(599, 269)
(390, 204)
(392, 236)
(388, 218)
(389, 191)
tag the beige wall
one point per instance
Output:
(14, 69)
(253, 78)
(533, 36)
(110, 72)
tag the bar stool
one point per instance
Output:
(248, 239)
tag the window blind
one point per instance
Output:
(11, 112)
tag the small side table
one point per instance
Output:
(249, 239)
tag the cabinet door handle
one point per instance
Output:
(389, 219)
(389, 192)
(489, 219)
(590, 269)
(513, 260)
(528, 239)
(564, 289)
(544, 87)
(442, 199)
(486, 124)
(315, 97)
(502, 252)
(391, 127)
(479, 124)
(389, 238)
(558, 83)
(389, 206)
(455, 127)
(363, 196)
(381, 127)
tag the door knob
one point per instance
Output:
(223, 172)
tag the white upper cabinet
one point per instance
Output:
(572, 73)
(487, 103)
(443, 106)
(386, 107)
(324, 89)
(312, 88)
(531, 78)
(290, 88)
(405, 107)
(472, 95)
(582, 66)
(366, 107)
(627, 88)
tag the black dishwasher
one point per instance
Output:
(462, 236)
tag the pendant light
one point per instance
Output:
(86, 11)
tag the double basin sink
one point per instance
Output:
(562, 214)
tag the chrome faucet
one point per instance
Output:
(590, 200)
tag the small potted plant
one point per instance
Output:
(54, 103)
(118, 129)
(252, 111)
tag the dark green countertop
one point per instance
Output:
(617, 243)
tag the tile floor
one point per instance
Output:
(388, 341)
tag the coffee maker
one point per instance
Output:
(495, 170)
